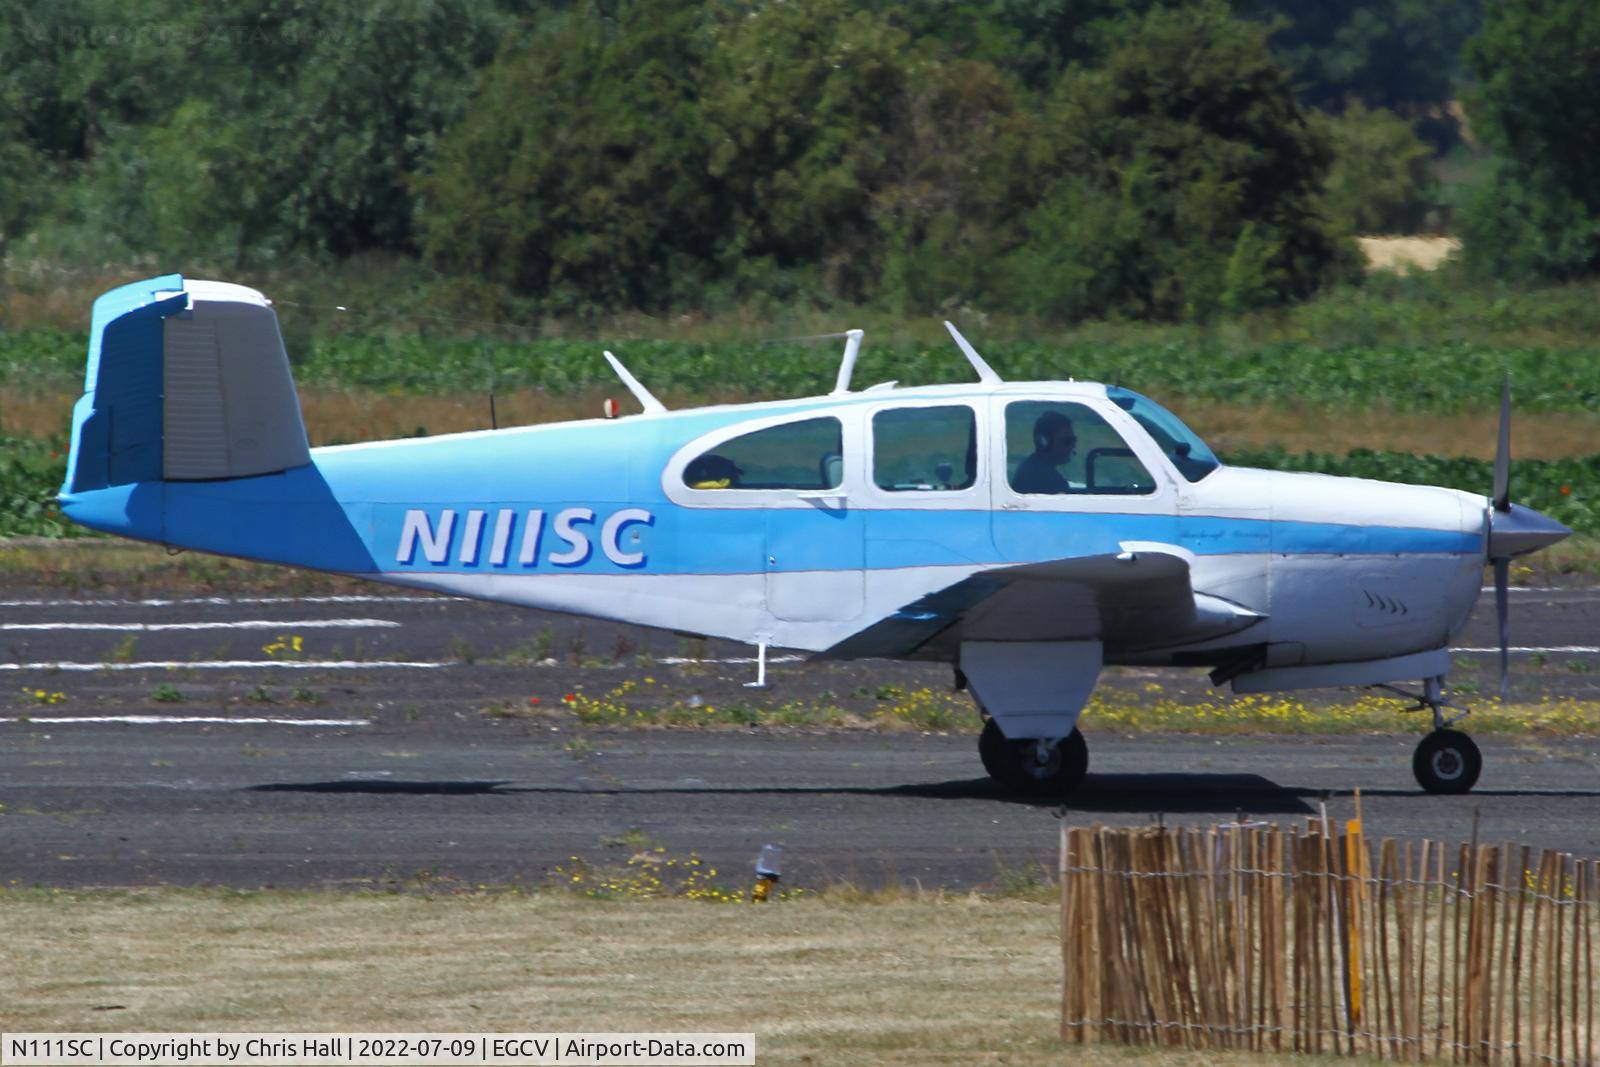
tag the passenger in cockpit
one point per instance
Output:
(1054, 441)
(712, 471)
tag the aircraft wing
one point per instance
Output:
(1134, 599)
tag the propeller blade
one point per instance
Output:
(1502, 616)
(1502, 454)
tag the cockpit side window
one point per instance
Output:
(1055, 446)
(807, 454)
(925, 449)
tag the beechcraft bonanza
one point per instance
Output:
(1027, 533)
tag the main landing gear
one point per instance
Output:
(1447, 760)
(1041, 767)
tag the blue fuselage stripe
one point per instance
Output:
(298, 517)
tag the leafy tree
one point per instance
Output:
(581, 173)
(963, 169)
(1190, 179)
(1379, 180)
(1397, 54)
(280, 125)
(1538, 107)
(800, 103)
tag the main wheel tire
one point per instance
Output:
(1447, 761)
(1015, 765)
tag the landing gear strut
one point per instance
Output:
(1447, 760)
(1034, 766)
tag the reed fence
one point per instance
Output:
(1316, 940)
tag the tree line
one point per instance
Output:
(1071, 159)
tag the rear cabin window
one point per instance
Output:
(808, 454)
(925, 449)
(1054, 447)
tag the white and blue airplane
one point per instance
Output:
(1027, 533)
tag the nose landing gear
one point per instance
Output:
(1446, 761)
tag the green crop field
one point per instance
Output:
(1450, 376)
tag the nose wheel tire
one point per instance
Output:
(1447, 761)
(1020, 766)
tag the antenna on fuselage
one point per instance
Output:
(986, 373)
(847, 365)
(645, 397)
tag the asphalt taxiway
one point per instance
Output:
(352, 741)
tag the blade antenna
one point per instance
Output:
(986, 373)
(847, 365)
(645, 397)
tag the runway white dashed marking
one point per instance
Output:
(179, 720)
(1528, 649)
(234, 665)
(213, 601)
(238, 624)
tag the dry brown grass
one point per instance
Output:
(346, 416)
(914, 980)
(1544, 435)
(1406, 253)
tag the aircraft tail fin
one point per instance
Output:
(186, 381)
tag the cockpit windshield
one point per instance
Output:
(1188, 453)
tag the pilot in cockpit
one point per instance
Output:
(1054, 441)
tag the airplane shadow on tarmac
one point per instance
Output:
(1171, 793)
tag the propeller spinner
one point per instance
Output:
(1510, 530)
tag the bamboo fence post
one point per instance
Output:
(1333, 940)
(1151, 932)
(1236, 903)
(1537, 960)
(1204, 896)
(1095, 878)
(1182, 922)
(1280, 959)
(1444, 956)
(1313, 894)
(1592, 874)
(1517, 1037)
(1558, 935)
(1404, 916)
(1476, 947)
(1457, 969)
(1574, 1014)
(1127, 1007)
(1483, 951)
(1388, 865)
(1424, 893)
(1504, 896)
(1071, 944)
